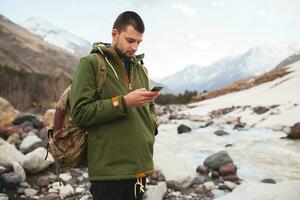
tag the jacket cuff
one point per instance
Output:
(118, 105)
(124, 105)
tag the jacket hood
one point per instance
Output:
(107, 50)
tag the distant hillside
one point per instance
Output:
(33, 72)
(242, 84)
(289, 60)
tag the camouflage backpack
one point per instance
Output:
(66, 141)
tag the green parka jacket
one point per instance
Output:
(120, 139)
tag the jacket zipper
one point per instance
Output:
(127, 81)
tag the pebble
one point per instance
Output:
(65, 191)
(65, 177)
(230, 185)
(176, 193)
(85, 175)
(85, 197)
(79, 190)
(3, 196)
(52, 190)
(30, 192)
(210, 186)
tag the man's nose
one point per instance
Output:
(135, 46)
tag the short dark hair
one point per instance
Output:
(128, 18)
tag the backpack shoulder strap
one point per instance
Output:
(101, 72)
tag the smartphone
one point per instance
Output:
(157, 88)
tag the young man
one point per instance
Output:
(121, 123)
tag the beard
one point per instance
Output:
(120, 52)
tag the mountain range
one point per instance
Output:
(253, 62)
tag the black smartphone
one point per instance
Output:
(157, 88)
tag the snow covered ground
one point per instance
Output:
(282, 92)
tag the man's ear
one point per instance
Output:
(114, 34)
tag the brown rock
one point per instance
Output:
(202, 170)
(13, 138)
(154, 175)
(295, 131)
(157, 175)
(7, 112)
(228, 169)
(9, 130)
(48, 117)
(232, 178)
(260, 109)
(43, 181)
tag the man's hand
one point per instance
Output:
(139, 97)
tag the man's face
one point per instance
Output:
(127, 41)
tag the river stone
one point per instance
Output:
(43, 181)
(2, 169)
(85, 197)
(200, 180)
(18, 169)
(65, 177)
(10, 180)
(30, 192)
(210, 186)
(221, 133)
(228, 169)
(269, 180)
(230, 185)
(26, 125)
(202, 170)
(8, 130)
(35, 146)
(216, 160)
(232, 178)
(30, 140)
(48, 117)
(295, 131)
(260, 109)
(65, 191)
(9, 153)
(52, 190)
(51, 196)
(215, 174)
(80, 190)
(156, 192)
(35, 161)
(3, 197)
(13, 138)
(28, 117)
(183, 129)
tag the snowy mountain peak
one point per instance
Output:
(57, 36)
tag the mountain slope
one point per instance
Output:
(289, 60)
(57, 36)
(33, 72)
(255, 61)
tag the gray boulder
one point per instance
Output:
(35, 161)
(216, 160)
(156, 192)
(183, 129)
(10, 180)
(29, 141)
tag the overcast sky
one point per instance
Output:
(178, 33)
